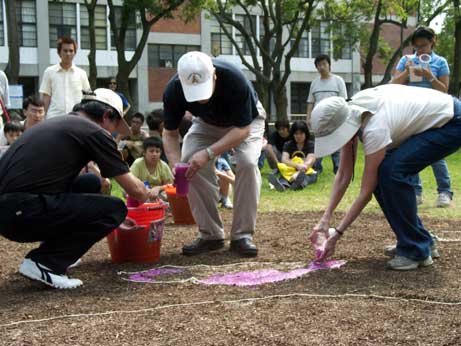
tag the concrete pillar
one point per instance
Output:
(43, 37)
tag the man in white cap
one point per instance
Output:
(227, 115)
(43, 198)
(403, 130)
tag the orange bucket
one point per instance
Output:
(179, 207)
(142, 245)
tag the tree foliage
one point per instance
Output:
(267, 54)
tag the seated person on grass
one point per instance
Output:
(155, 122)
(297, 161)
(150, 168)
(132, 144)
(277, 140)
(226, 178)
(12, 130)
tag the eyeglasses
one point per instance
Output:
(421, 46)
(115, 83)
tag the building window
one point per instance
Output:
(167, 56)
(249, 23)
(130, 35)
(63, 21)
(26, 19)
(320, 39)
(220, 43)
(303, 47)
(100, 27)
(299, 93)
(346, 50)
(2, 29)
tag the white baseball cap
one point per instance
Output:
(195, 71)
(111, 98)
(334, 123)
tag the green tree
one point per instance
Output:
(355, 14)
(148, 12)
(266, 54)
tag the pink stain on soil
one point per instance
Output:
(149, 275)
(260, 277)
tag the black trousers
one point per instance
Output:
(67, 224)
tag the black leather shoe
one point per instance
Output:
(244, 247)
(199, 246)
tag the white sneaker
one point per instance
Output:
(404, 263)
(75, 264)
(391, 251)
(444, 200)
(36, 271)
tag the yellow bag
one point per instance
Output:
(287, 172)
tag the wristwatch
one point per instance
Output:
(211, 154)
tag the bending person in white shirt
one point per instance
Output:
(403, 130)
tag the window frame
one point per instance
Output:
(22, 24)
(73, 27)
(175, 50)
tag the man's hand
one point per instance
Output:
(197, 161)
(154, 192)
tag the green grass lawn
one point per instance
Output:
(315, 197)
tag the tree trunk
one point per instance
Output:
(12, 69)
(281, 101)
(123, 83)
(372, 48)
(92, 54)
(454, 87)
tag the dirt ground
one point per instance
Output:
(337, 307)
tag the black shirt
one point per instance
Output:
(233, 102)
(291, 148)
(278, 141)
(49, 156)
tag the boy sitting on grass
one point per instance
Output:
(12, 131)
(150, 168)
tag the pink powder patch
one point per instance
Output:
(260, 277)
(149, 275)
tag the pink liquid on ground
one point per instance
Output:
(182, 185)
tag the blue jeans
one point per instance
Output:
(334, 158)
(442, 176)
(395, 192)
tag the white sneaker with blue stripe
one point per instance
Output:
(36, 271)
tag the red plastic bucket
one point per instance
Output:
(141, 245)
(180, 208)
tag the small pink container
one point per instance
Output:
(182, 185)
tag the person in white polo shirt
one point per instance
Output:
(63, 84)
(403, 130)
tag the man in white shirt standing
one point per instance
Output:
(325, 85)
(63, 84)
(403, 129)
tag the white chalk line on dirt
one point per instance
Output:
(446, 240)
(236, 301)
